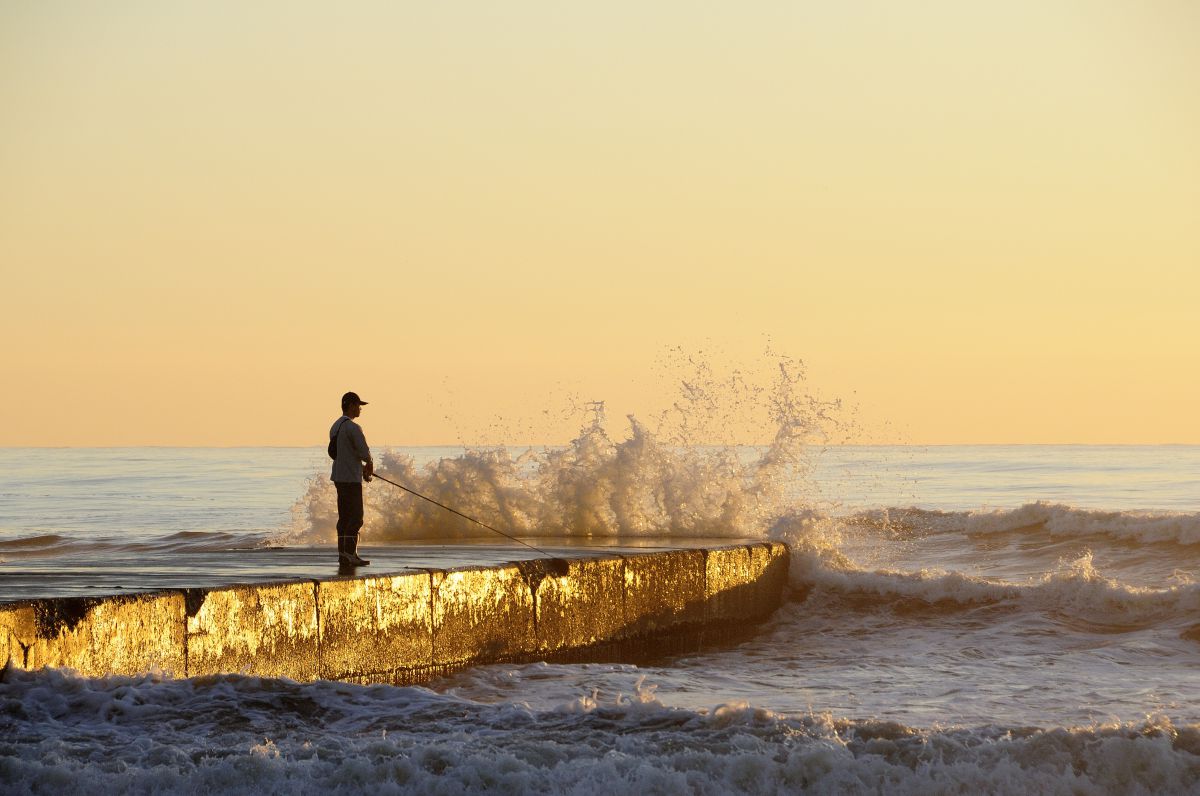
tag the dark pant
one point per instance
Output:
(350, 515)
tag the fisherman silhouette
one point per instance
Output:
(352, 464)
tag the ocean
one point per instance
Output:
(959, 619)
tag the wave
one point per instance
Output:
(203, 541)
(685, 474)
(1076, 589)
(230, 734)
(636, 488)
(39, 542)
(1055, 519)
(45, 545)
(55, 545)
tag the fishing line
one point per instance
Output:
(558, 562)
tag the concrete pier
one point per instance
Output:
(405, 627)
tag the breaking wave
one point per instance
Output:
(1054, 519)
(1074, 589)
(658, 482)
(233, 734)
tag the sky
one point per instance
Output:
(973, 222)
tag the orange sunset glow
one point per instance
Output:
(974, 222)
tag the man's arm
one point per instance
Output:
(363, 452)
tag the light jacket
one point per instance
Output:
(352, 451)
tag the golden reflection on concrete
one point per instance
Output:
(724, 572)
(769, 565)
(18, 631)
(268, 630)
(408, 627)
(373, 627)
(663, 591)
(483, 614)
(95, 636)
(583, 608)
(742, 582)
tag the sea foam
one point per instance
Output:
(235, 734)
(655, 482)
(1075, 588)
(1055, 519)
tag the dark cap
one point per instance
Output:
(352, 398)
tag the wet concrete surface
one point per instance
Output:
(114, 573)
(418, 611)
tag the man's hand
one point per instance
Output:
(368, 471)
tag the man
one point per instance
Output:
(351, 466)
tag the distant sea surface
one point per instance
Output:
(1012, 619)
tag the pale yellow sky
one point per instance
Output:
(978, 222)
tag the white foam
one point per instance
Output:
(652, 483)
(236, 734)
(1056, 519)
(1075, 587)
(1062, 520)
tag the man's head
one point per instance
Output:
(352, 405)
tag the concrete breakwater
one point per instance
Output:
(405, 627)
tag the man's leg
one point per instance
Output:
(350, 519)
(347, 514)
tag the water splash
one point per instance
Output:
(234, 734)
(701, 471)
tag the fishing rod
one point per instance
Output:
(465, 517)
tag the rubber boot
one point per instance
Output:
(352, 550)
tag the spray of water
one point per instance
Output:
(727, 458)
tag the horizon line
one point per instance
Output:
(567, 444)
